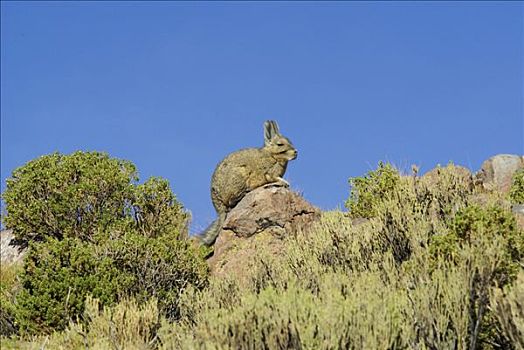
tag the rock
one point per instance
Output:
(497, 172)
(10, 252)
(259, 221)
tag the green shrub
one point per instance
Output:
(157, 211)
(93, 231)
(86, 193)
(408, 210)
(366, 191)
(488, 240)
(444, 191)
(516, 193)
(72, 195)
(161, 267)
(483, 228)
(59, 274)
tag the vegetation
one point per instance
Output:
(429, 262)
(68, 195)
(9, 286)
(365, 190)
(516, 193)
(93, 231)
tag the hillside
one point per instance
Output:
(433, 261)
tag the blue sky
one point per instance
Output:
(176, 86)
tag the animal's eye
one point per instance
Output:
(280, 144)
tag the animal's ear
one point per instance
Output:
(275, 128)
(269, 131)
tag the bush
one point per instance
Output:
(297, 302)
(68, 195)
(161, 267)
(408, 210)
(482, 228)
(59, 274)
(93, 231)
(157, 210)
(373, 187)
(489, 240)
(85, 193)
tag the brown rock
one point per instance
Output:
(497, 172)
(260, 221)
(10, 252)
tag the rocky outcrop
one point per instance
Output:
(260, 221)
(497, 172)
(9, 251)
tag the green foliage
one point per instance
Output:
(156, 209)
(59, 274)
(482, 228)
(161, 267)
(516, 193)
(68, 195)
(93, 231)
(367, 190)
(488, 239)
(408, 210)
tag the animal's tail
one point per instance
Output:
(210, 234)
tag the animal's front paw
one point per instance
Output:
(283, 182)
(279, 182)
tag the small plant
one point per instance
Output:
(366, 191)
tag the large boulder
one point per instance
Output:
(259, 222)
(497, 172)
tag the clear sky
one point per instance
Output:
(176, 86)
